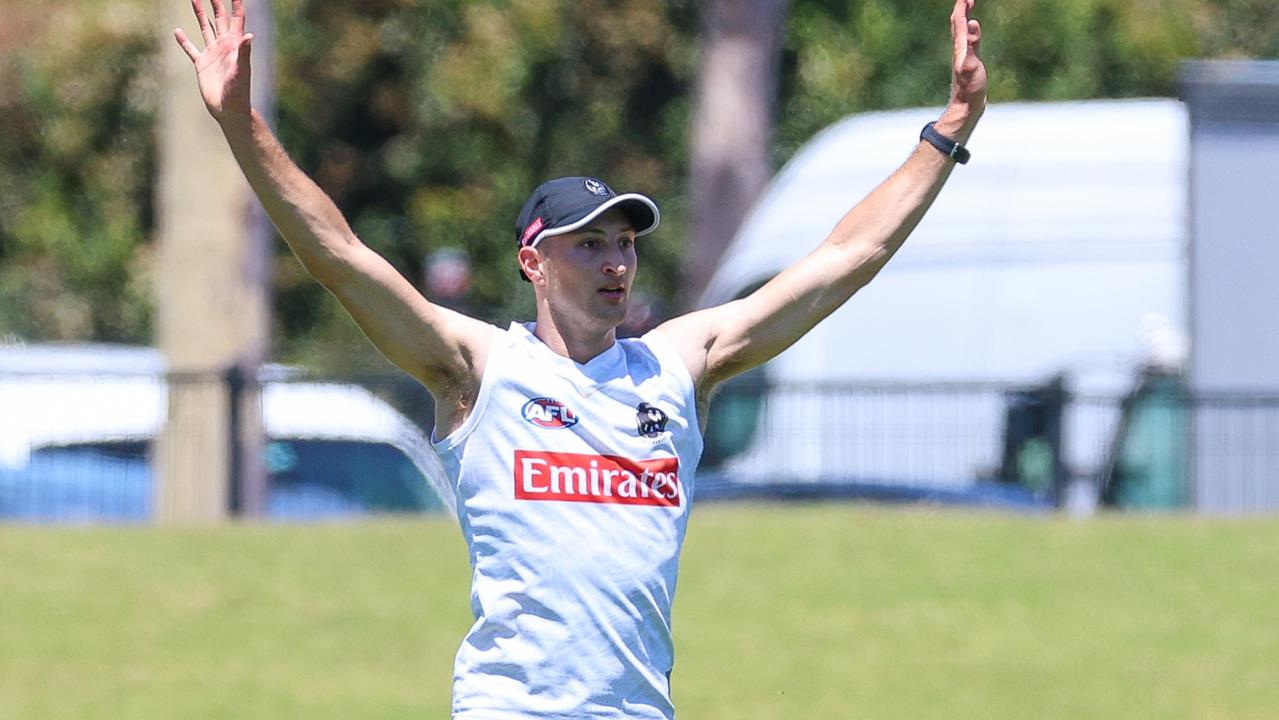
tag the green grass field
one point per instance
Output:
(783, 612)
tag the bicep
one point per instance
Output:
(437, 346)
(722, 341)
(748, 332)
(755, 329)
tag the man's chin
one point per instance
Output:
(614, 311)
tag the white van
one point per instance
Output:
(77, 423)
(1060, 250)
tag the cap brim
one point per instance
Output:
(641, 211)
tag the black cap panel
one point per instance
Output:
(565, 204)
(639, 210)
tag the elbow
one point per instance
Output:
(329, 272)
(857, 261)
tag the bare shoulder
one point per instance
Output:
(455, 384)
(453, 364)
(726, 340)
(693, 336)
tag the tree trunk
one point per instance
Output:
(740, 44)
(212, 299)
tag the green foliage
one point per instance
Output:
(846, 57)
(429, 121)
(78, 96)
(851, 56)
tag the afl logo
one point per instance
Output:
(548, 413)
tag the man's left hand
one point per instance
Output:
(968, 75)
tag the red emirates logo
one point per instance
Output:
(572, 477)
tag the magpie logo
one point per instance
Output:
(650, 421)
(595, 187)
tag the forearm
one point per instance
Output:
(722, 341)
(308, 220)
(872, 232)
(752, 330)
(868, 236)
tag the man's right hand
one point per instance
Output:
(222, 70)
(444, 350)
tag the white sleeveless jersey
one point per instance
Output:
(573, 489)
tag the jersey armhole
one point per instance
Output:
(668, 356)
(497, 354)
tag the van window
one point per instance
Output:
(305, 478)
(376, 477)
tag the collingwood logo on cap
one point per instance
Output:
(595, 187)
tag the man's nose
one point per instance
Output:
(615, 262)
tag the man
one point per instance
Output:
(572, 452)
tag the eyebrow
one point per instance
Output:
(597, 231)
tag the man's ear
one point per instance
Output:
(531, 263)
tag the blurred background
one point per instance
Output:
(1085, 321)
(1063, 330)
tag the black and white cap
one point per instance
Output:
(566, 204)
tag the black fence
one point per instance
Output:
(91, 446)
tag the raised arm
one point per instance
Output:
(442, 349)
(723, 341)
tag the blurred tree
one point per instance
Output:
(845, 56)
(77, 109)
(430, 120)
(732, 125)
(429, 123)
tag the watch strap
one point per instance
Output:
(948, 147)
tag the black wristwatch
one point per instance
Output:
(948, 147)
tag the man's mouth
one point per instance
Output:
(613, 293)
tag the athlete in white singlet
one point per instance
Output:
(572, 452)
(574, 484)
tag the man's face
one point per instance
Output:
(588, 273)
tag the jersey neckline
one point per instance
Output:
(600, 368)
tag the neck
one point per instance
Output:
(571, 339)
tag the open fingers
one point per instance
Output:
(237, 16)
(959, 28)
(974, 37)
(185, 43)
(206, 30)
(221, 22)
